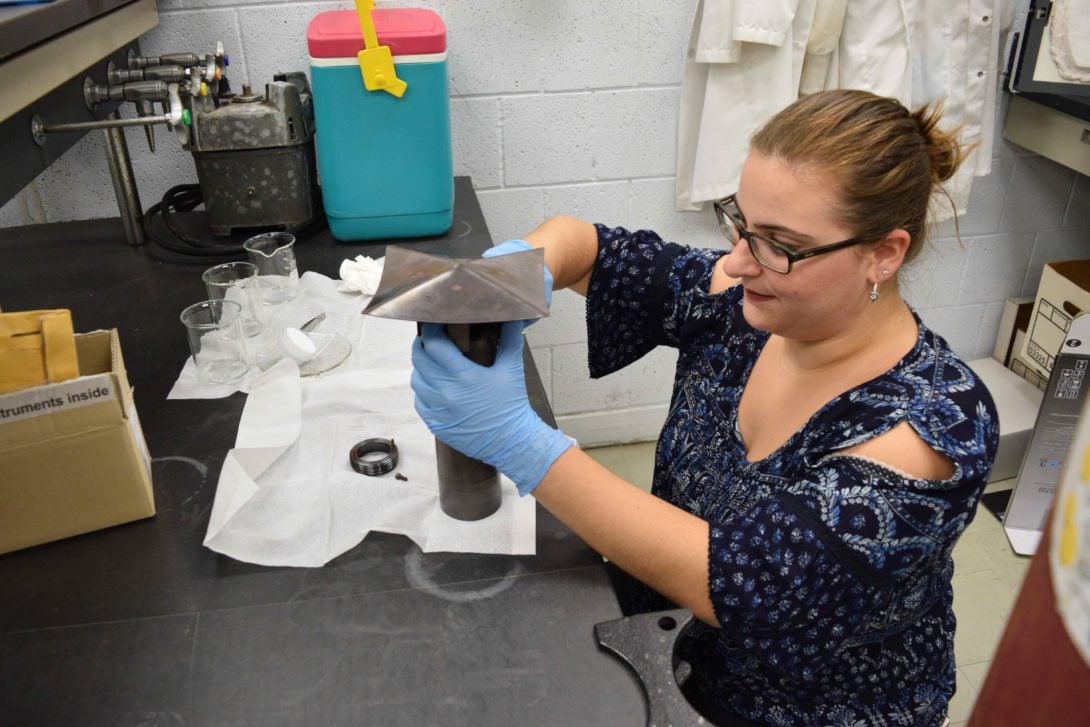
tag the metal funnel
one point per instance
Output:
(472, 298)
(430, 289)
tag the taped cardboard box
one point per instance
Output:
(72, 454)
(1064, 293)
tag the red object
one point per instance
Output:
(407, 31)
(1037, 676)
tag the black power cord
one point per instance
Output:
(185, 198)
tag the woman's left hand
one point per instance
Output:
(483, 411)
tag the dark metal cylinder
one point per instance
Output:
(468, 488)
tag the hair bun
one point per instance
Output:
(882, 161)
(943, 148)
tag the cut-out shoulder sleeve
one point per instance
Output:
(904, 451)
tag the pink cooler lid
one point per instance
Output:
(408, 31)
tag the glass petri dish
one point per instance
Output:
(333, 350)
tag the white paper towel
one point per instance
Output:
(287, 494)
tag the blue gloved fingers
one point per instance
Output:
(417, 348)
(419, 354)
(430, 415)
(421, 410)
(511, 246)
(432, 330)
(548, 288)
(437, 349)
(427, 375)
(511, 342)
(422, 361)
(507, 247)
(425, 392)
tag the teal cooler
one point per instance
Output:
(385, 162)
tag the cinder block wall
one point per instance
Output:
(570, 107)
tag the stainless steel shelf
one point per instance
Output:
(45, 53)
(40, 54)
(24, 26)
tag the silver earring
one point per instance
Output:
(873, 294)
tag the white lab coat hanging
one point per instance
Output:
(747, 59)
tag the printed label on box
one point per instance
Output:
(1047, 331)
(1030, 375)
(53, 398)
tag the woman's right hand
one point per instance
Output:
(512, 246)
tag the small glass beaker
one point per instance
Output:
(274, 256)
(233, 281)
(215, 340)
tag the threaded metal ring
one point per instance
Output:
(373, 467)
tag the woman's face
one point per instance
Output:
(822, 295)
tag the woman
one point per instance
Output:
(823, 450)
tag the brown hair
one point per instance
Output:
(886, 160)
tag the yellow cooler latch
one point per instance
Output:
(376, 61)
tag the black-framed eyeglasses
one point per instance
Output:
(771, 254)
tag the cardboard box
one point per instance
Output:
(72, 454)
(1017, 402)
(1023, 369)
(1064, 293)
(1061, 410)
(1012, 328)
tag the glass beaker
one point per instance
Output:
(215, 340)
(232, 281)
(274, 256)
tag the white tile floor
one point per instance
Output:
(987, 577)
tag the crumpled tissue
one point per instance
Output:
(361, 274)
(287, 494)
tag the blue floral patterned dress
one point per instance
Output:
(830, 573)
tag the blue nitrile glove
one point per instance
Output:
(483, 411)
(510, 246)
